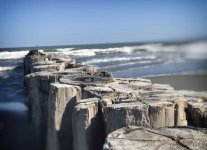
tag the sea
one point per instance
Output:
(121, 59)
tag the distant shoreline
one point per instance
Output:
(183, 82)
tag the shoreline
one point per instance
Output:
(183, 82)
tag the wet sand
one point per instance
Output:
(183, 82)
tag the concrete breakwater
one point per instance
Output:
(72, 106)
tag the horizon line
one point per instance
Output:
(105, 43)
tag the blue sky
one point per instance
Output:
(61, 22)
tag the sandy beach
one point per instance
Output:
(183, 82)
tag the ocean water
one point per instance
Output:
(123, 60)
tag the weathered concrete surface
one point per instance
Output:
(139, 138)
(88, 129)
(39, 63)
(159, 107)
(124, 91)
(197, 113)
(38, 87)
(96, 79)
(161, 113)
(41, 70)
(49, 67)
(123, 114)
(196, 108)
(135, 83)
(166, 93)
(127, 88)
(36, 61)
(32, 57)
(97, 91)
(59, 58)
(62, 101)
(84, 69)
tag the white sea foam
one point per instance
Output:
(79, 53)
(64, 49)
(41, 50)
(13, 55)
(93, 52)
(190, 50)
(7, 68)
(102, 60)
(194, 50)
(83, 52)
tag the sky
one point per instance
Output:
(65, 22)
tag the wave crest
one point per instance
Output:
(190, 50)
(102, 60)
(7, 68)
(13, 55)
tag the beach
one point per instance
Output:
(183, 82)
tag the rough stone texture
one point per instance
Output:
(49, 67)
(84, 105)
(161, 113)
(38, 86)
(61, 58)
(62, 101)
(87, 80)
(32, 57)
(88, 130)
(98, 91)
(196, 108)
(80, 70)
(124, 114)
(120, 89)
(135, 83)
(41, 70)
(36, 61)
(163, 94)
(197, 114)
(158, 107)
(139, 138)
(39, 63)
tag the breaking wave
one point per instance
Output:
(102, 60)
(7, 68)
(194, 50)
(13, 55)
(93, 52)
(82, 52)
(64, 49)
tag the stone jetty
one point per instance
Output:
(74, 107)
(165, 138)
